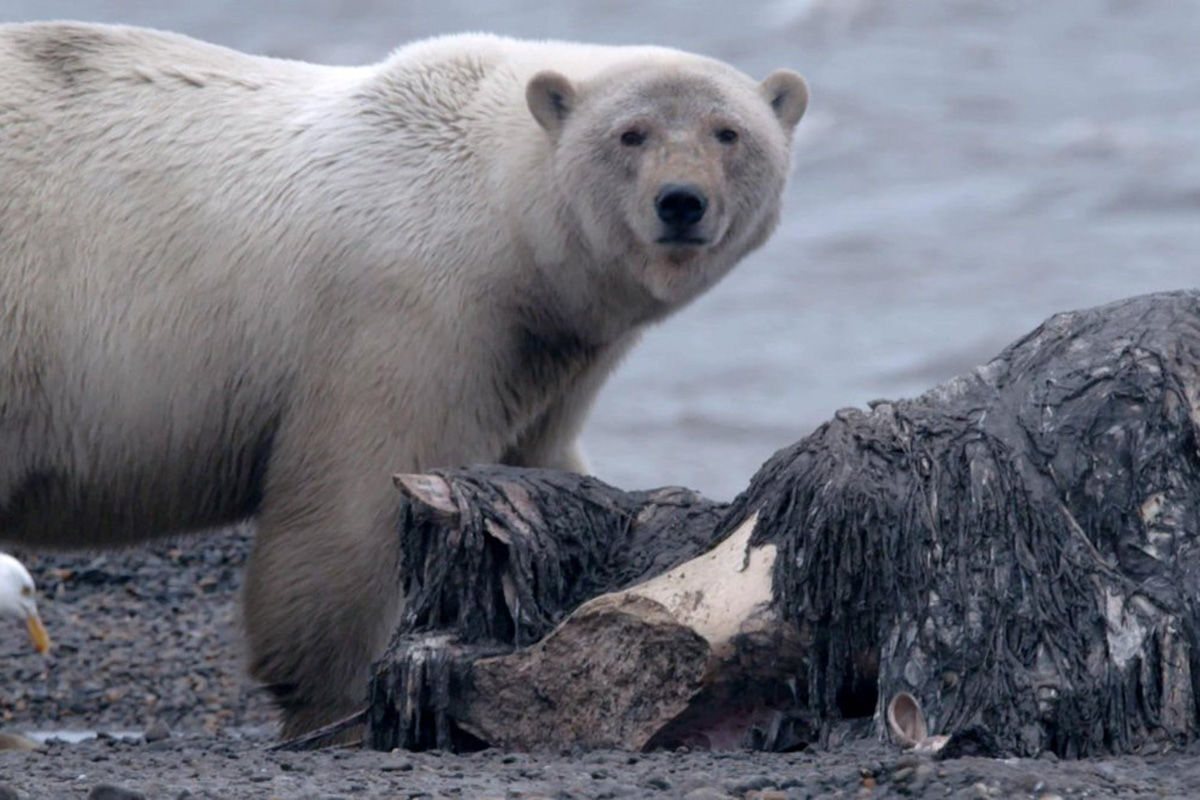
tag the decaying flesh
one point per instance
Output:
(1015, 553)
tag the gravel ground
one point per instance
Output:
(148, 651)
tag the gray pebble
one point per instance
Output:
(1030, 782)
(750, 784)
(157, 731)
(8, 793)
(706, 793)
(657, 782)
(692, 780)
(977, 791)
(609, 791)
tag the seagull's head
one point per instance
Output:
(17, 600)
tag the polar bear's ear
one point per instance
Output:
(551, 98)
(787, 93)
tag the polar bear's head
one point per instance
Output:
(673, 167)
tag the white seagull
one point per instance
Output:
(17, 600)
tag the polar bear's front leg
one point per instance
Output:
(323, 593)
(552, 441)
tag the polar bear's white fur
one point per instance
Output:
(237, 286)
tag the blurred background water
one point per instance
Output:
(966, 168)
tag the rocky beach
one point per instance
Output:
(965, 169)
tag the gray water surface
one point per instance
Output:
(966, 168)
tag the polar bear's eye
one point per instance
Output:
(632, 138)
(727, 136)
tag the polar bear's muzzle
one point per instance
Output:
(681, 208)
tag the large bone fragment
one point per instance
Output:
(692, 655)
(497, 558)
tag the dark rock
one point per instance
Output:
(106, 791)
(976, 740)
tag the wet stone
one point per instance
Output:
(747, 785)
(107, 791)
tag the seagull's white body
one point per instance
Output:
(17, 600)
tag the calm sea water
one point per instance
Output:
(966, 168)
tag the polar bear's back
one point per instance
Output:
(78, 58)
(102, 119)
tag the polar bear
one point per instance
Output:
(234, 286)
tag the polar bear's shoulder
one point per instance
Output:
(489, 54)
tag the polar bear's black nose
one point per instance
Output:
(680, 205)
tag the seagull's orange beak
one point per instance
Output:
(37, 632)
